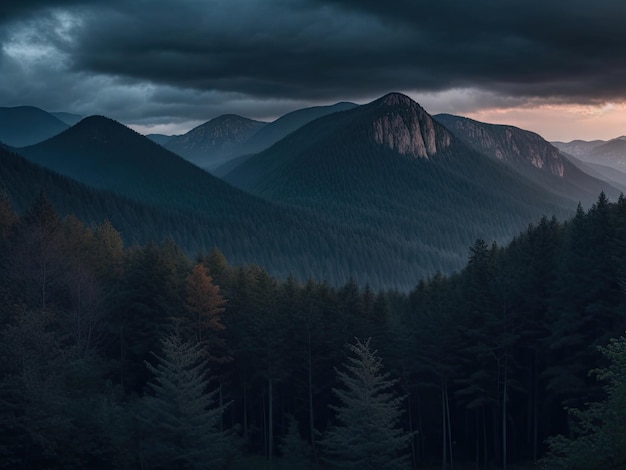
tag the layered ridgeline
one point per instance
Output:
(221, 143)
(277, 130)
(107, 155)
(161, 139)
(607, 159)
(214, 142)
(171, 197)
(27, 125)
(531, 156)
(610, 153)
(68, 118)
(389, 165)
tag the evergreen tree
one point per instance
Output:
(368, 436)
(181, 420)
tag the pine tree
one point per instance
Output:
(180, 418)
(369, 436)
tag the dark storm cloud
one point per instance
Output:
(16, 9)
(330, 49)
(138, 58)
(569, 49)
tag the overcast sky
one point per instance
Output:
(557, 67)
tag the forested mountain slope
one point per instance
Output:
(285, 241)
(389, 165)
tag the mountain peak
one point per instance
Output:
(231, 118)
(405, 127)
(210, 143)
(396, 99)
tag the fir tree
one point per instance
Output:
(369, 436)
(181, 420)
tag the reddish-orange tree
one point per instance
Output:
(204, 305)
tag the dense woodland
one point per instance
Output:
(140, 357)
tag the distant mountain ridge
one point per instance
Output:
(610, 153)
(161, 139)
(578, 148)
(68, 118)
(216, 144)
(286, 124)
(27, 125)
(211, 143)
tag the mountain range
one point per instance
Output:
(224, 142)
(611, 153)
(381, 192)
(246, 229)
(389, 164)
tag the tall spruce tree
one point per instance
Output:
(368, 436)
(180, 418)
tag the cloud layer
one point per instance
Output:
(151, 61)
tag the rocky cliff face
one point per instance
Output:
(403, 126)
(506, 143)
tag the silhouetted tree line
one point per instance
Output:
(115, 357)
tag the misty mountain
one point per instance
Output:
(578, 148)
(212, 143)
(27, 125)
(609, 174)
(611, 153)
(161, 139)
(531, 156)
(68, 118)
(389, 165)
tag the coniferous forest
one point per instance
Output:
(142, 358)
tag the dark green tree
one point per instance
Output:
(369, 435)
(180, 418)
